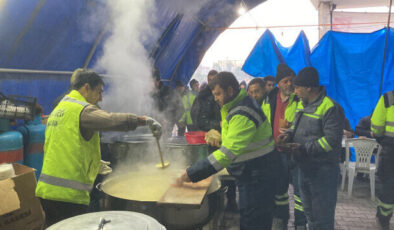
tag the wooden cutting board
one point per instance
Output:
(190, 194)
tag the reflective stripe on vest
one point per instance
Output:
(259, 144)
(250, 155)
(247, 156)
(315, 116)
(228, 153)
(255, 154)
(248, 110)
(324, 144)
(65, 183)
(69, 99)
(378, 130)
(215, 164)
(282, 199)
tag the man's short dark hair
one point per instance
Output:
(225, 80)
(87, 76)
(193, 82)
(179, 83)
(212, 72)
(258, 81)
(269, 78)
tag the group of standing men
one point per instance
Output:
(292, 132)
(260, 137)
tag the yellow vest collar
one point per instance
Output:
(242, 93)
(76, 95)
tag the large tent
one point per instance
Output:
(42, 42)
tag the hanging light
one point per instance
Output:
(242, 8)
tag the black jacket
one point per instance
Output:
(208, 111)
(310, 128)
(169, 103)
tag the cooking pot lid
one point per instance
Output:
(140, 138)
(176, 141)
(179, 141)
(141, 134)
(109, 220)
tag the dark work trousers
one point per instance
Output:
(256, 194)
(318, 186)
(56, 211)
(385, 190)
(281, 188)
(299, 215)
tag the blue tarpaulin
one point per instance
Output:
(54, 35)
(268, 53)
(349, 66)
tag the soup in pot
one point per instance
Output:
(141, 185)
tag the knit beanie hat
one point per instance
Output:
(308, 77)
(282, 71)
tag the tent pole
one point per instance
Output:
(96, 43)
(385, 48)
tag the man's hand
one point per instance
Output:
(348, 134)
(213, 137)
(282, 139)
(182, 179)
(104, 168)
(295, 150)
(154, 126)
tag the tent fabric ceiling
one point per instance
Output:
(51, 35)
(54, 35)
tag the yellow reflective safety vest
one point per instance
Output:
(187, 101)
(246, 133)
(382, 120)
(268, 106)
(71, 163)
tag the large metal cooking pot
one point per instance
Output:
(134, 151)
(109, 220)
(178, 149)
(173, 217)
(130, 148)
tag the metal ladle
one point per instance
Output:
(163, 164)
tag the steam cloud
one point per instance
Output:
(125, 59)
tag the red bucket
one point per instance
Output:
(195, 137)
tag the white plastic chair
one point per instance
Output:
(345, 165)
(363, 149)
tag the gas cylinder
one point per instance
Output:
(33, 138)
(11, 144)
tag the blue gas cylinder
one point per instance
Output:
(11, 147)
(33, 138)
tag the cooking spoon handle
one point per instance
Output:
(161, 155)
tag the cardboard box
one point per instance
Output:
(22, 210)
